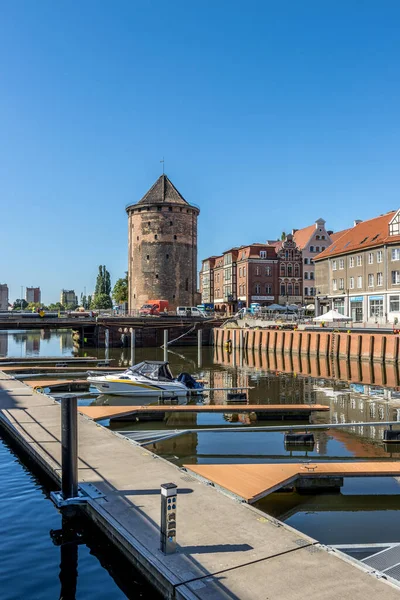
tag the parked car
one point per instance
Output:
(149, 309)
(190, 311)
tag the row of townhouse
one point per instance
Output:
(274, 272)
(359, 274)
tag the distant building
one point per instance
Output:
(290, 272)
(162, 246)
(257, 275)
(68, 297)
(3, 296)
(311, 241)
(359, 274)
(207, 280)
(33, 294)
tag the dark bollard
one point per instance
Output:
(168, 518)
(68, 563)
(69, 446)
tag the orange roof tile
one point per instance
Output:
(337, 234)
(367, 234)
(302, 236)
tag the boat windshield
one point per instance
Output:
(158, 371)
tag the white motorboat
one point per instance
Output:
(149, 378)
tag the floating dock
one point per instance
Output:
(266, 410)
(255, 481)
(226, 549)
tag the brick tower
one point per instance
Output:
(162, 245)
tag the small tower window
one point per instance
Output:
(173, 296)
(167, 256)
(187, 210)
(175, 238)
(148, 257)
(156, 275)
(159, 208)
(137, 238)
(170, 222)
(155, 237)
(187, 284)
(170, 208)
(148, 208)
(180, 210)
(148, 223)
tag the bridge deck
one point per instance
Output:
(109, 412)
(254, 481)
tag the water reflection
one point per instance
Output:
(43, 342)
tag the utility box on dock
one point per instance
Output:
(168, 518)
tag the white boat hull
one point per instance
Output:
(133, 388)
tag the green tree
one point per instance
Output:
(120, 291)
(56, 306)
(283, 236)
(18, 303)
(89, 301)
(102, 298)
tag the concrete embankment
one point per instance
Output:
(382, 347)
(226, 549)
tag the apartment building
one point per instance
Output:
(257, 275)
(68, 298)
(290, 272)
(33, 294)
(207, 279)
(3, 296)
(311, 240)
(359, 273)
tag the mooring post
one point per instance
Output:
(165, 344)
(199, 346)
(133, 343)
(168, 518)
(69, 446)
(241, 339)
(107, 340)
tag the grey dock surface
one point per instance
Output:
(226, 549)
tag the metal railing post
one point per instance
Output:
(69, 446)
(165, 344)
(133, 344)
(199, 346)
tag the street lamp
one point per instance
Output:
(22, 291)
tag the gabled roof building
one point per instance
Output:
(359, 274)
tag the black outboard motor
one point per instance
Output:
(189, 381)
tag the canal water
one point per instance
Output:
(362, 510)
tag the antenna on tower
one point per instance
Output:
(162, 161)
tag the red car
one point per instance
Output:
(149, 309)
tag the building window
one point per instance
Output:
(394, 304)
(359, 281)
(339, 306)
(305, 274)
(240, 271)
(334, 285)
(351, 261)
(263, 254)
(396, 254)
(312, 275)
(268, 289)
(306, 291)
(311, 248)
(156, 275)
(379, 279)
(395, 277)
(316, 248)
(289, 289)
(167, 256)
(352, 283)
(312, 291)
(187, 284)
(257, 270)
(371, 258)
(323, 248)
(334, 265)
(268, 271)
(148, 223)
(341, 263)
(296, 270)
(170, 223)
(322, 237)
(341, 284)
(148, 257)
(289, 270)
(155, 237)
(317, 237)
(170, 208)
(370, 280)
(159, 208)
(244, 271)
(283, 289)
(376, 308)
(175, 238)
(258, 288)
(359, 260)
(137, 238)
(283, 269)
(306, 261)
(379, 256)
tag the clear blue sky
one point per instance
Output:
(269, 115)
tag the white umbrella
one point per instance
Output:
(310, 307)
(332, 315)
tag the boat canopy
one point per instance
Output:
(153, 369)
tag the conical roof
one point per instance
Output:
(163, 191)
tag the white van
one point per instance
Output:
(190, 311)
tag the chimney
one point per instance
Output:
(329, 232)
(357, 221)
(294, 231)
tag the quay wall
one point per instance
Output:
(378, 347)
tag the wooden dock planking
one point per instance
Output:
(254, 481)
(109, 412)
